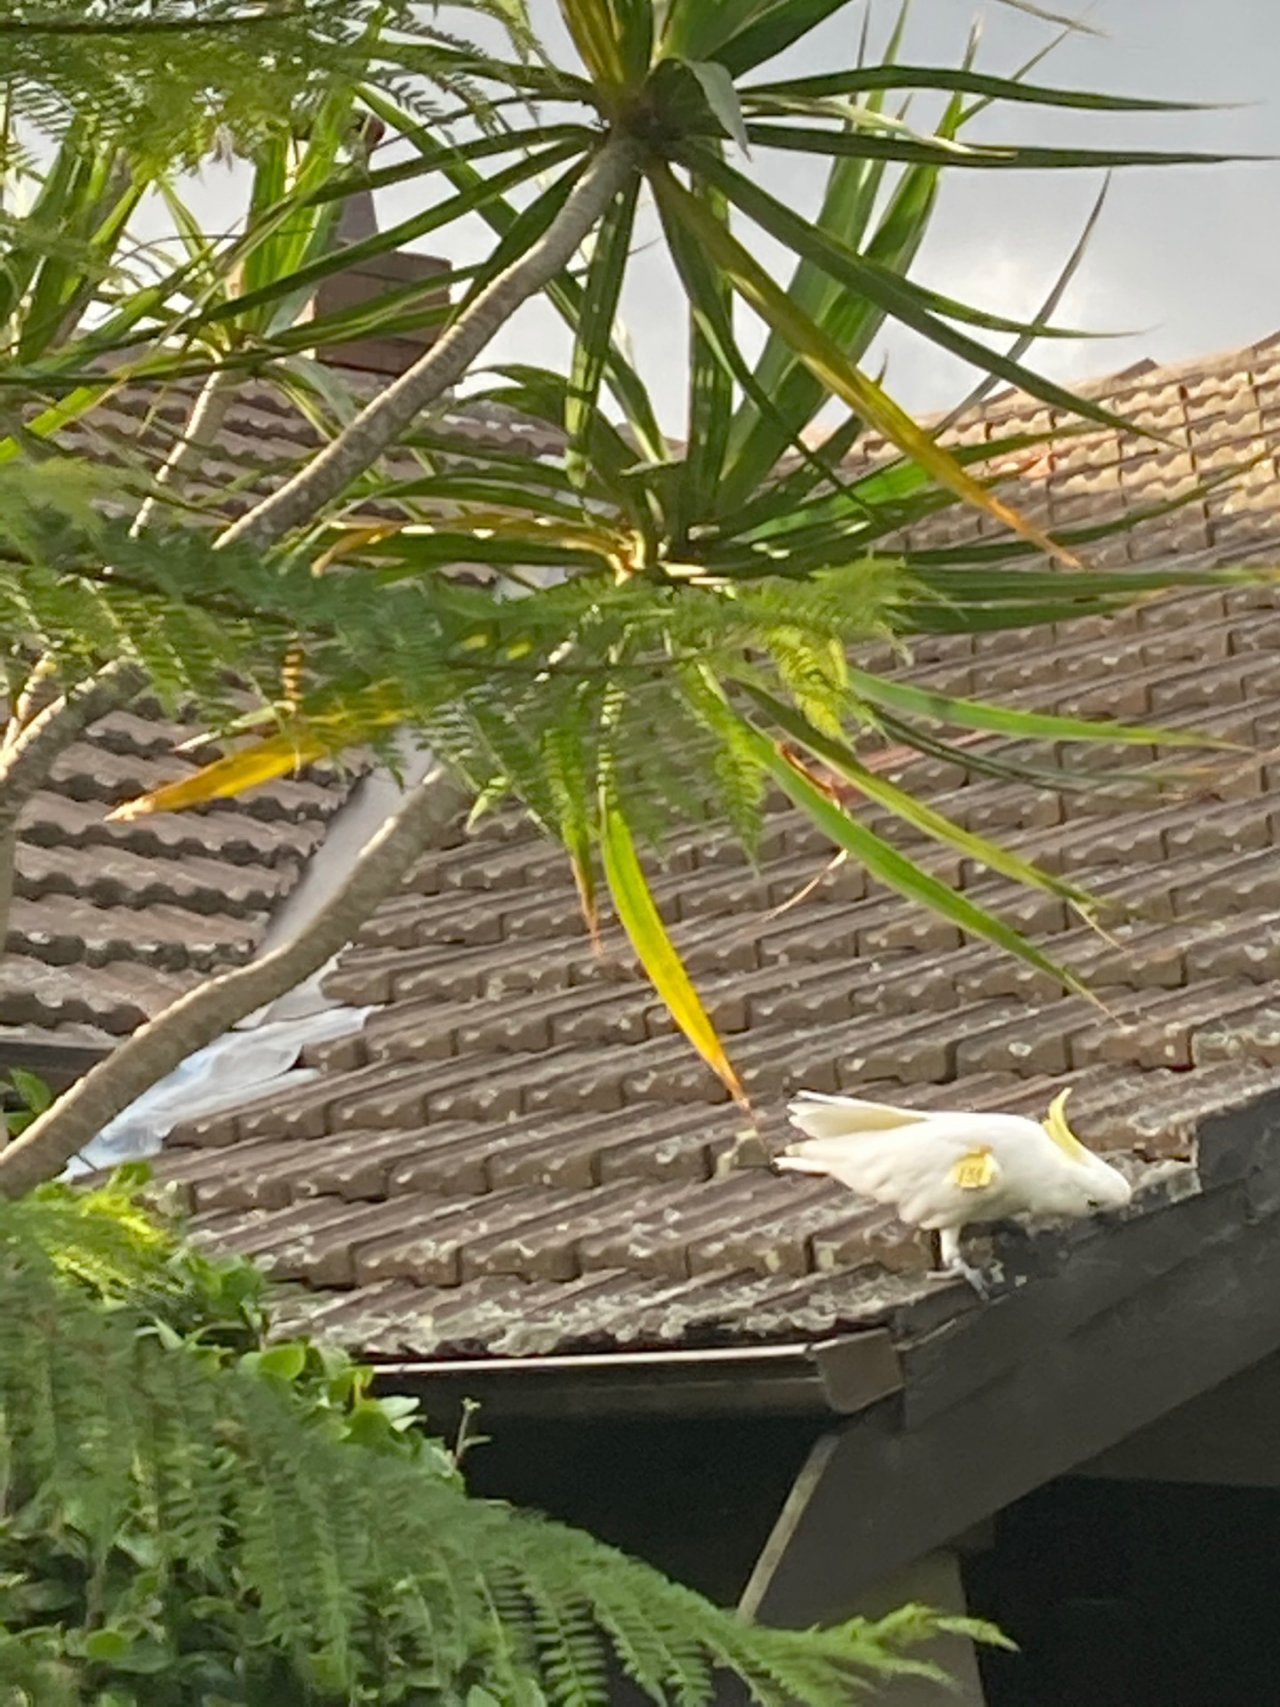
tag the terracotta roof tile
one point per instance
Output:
(112, 921)
(265, 436)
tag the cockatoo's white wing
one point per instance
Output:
(820, 1116)
(936, 1170)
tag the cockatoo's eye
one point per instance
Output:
(1094, 1202)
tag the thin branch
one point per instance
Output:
(25, 760)
(204, 1014)
(377, 427)
(208, 412)
(38, 690)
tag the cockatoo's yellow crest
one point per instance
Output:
(1055, 1124)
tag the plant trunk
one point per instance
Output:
(377, 427)
(203, 1015)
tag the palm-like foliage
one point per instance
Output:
(665, 89)
(693, 661)
(684, 81)
(86, 309)
(693, 650)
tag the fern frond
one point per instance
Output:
(170, 78)
(179, 1508)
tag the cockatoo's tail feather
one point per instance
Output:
(795, 1164)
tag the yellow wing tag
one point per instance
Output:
(974, 1171)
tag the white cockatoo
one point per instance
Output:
(942, 1171)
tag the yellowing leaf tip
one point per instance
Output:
(141, 807)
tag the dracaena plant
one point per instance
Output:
(86, 310)
(659, 92)
(703, 602)
(102, 110)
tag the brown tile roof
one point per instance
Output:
(1212, 415)
(112, 921)
(518, 1155)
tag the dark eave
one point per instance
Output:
(913, 1433)
(931, 1350)
(835, 1377)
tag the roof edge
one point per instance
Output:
(841, 1377)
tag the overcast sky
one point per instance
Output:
(1186, 259)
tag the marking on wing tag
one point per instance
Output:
(974, 1171)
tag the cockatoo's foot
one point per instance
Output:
(947, 1260)
(975, 1277)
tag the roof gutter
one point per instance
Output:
(839, 1376)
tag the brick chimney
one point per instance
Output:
(367, 280)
